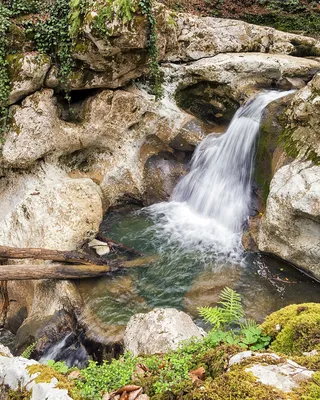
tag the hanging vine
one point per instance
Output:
(153, 52)
(4, 75)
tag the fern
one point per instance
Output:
(213, 315)
(124, 9)
(231, 304)
(230, 310)
(29, 350)
(249, 324)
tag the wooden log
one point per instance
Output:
(53, 255)
(52, 271)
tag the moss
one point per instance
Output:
(46, 374)
(309, 390)
(294, 147)
(236, 385)
(22, 394)
(15, 62)
(299, 329)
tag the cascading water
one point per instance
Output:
(210, 204)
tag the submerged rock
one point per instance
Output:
(159, 331)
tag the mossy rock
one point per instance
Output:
(295, 329)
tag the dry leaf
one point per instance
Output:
(75, 375)
(124, 396)
(197, 375)
(128, 389)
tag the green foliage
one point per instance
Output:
(29, 350)
(98, 379)
(52, 37)
(59, 366)
(229, 311)
(153, 53)
(76, 14)
(5, 14)
(23, 7)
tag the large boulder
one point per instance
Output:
(290, 227)
(159, 331)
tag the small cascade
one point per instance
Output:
(72, 353)
(211, 203)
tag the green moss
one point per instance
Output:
(21, 394)
(15, 62)
(309, 390)
(299, 329)
(294, 147)
(46, 374)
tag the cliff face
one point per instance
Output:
(65, 162)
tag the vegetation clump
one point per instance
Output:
(294, 329)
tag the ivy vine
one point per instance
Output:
(153, 52)
(5, 23)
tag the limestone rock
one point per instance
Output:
(118, 132)
(47, 209)
(27, 72)
(4, 351)
(284, 375)
(290, 227)
(159, 331)
(236, 75)
(226, 36)
(14, 373)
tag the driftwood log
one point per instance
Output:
(83, 265)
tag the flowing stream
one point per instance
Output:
(197, 238)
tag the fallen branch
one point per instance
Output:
(52, 271)
(53, 255)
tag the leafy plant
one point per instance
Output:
(229, 311)
(29, 350)
(59, 366)
(5, 23)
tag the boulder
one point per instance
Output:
(159, 331)
(290, 227)
(27, 72)
(271, 370)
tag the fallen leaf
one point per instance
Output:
(197, 375)
(128, 389)
(124, 396)
(75, 375)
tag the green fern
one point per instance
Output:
(213, 315)
(29, 350)
(229, 311)
(124, 9)
(249, 324)
(231, 305)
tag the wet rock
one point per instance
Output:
(207, 287)
(27, 73)
(159, 331)
(290, 227)
(161, 176)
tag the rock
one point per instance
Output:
(27, 72)
(186, 41)
(108, 142)
(285, 376)
(101, 248)
(4, 351)
(235, 76)
(14, 373)
(161, 176)
(48, 208)
(238, 358)
(159, 331)
(290, 227)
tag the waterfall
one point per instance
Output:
(211, 203)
